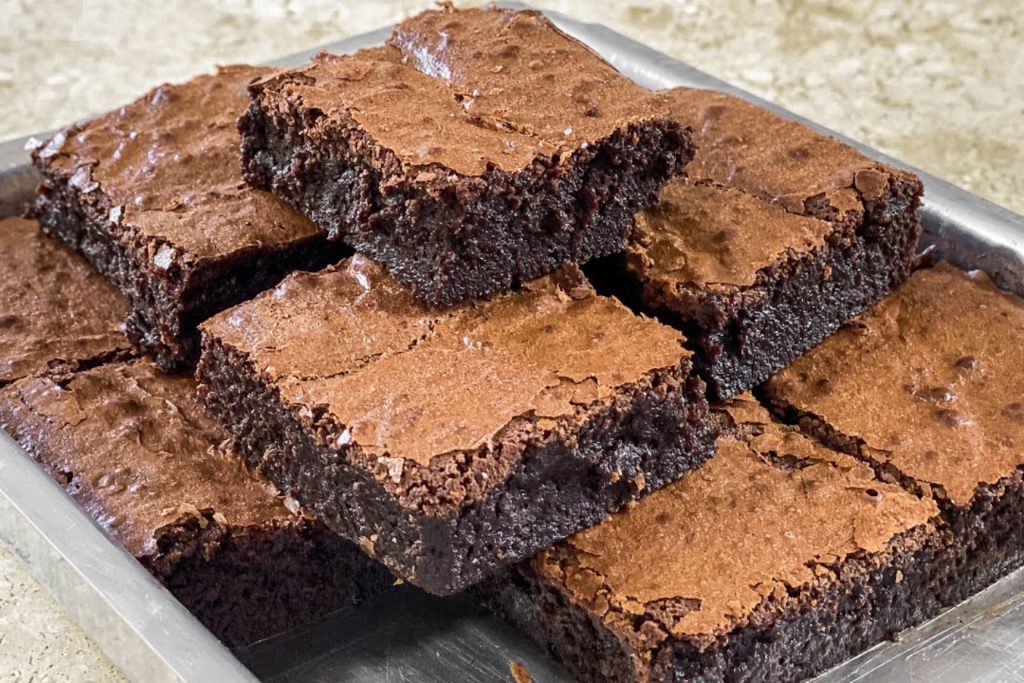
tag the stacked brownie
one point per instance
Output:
(776, 237)
(135, 448)
(928, 387)
(476, 150)
(777, 559)
(464, 395)
(450, 442)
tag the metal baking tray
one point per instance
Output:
(405, 635)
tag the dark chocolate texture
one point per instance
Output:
(476, 150)
(453, 441)
(152, 195)
(135, 449)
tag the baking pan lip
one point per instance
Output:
(138, 623)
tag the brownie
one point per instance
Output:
(928, 387)
(775, 560)
(135, 449)
(152, 195)
(450, 442)
(777, 236)
(56, 313)
(476, 150)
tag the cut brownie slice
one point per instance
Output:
(135, 449)
(777, 237)
(476, 150)
(450, 442)
(773, 561)
(928, 386)
(56, 313)
(153, 196)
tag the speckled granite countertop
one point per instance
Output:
(938, 83)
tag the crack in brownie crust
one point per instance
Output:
(774, 561)
(135, 449)
(152, 195)
(56, 313)
(452, 442)
(777, 237)
(475, 151)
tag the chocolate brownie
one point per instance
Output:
(56, 313)
(135, 449)
(775, 560)
(453, 441)
(928, 387)
(777, 237)
(476, 150)
(152, 195)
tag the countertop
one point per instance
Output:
(938, 83)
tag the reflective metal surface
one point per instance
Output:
(405, 635)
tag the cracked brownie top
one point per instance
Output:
(465, 91)
(55, 311)
(928, 382)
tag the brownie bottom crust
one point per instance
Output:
(248, 585)
(167, 305)
(633, 445)
(475, 236)
(871, 599)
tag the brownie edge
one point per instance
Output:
(452, 442)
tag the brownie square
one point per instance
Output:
(928, 387)
(56, 313)
(476, 150)
(135, 449)
(777, 237)
(450, 442)
(775, 560)
(152, 195)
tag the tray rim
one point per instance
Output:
(74, 558)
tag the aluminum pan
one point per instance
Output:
(405, 635)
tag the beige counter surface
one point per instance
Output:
(938, 83)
